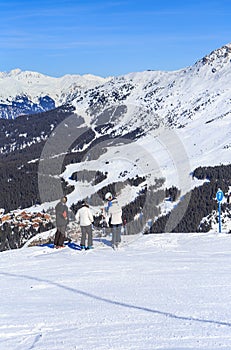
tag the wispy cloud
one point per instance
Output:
(90, 30)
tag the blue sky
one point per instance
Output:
(57, 37)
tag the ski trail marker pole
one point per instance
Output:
(219, 196)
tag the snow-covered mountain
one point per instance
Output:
(25, 92)
(195, 99)
(155, 127)
(183, 117)
(151, 97)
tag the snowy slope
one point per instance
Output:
(185, 114)
(172, 294)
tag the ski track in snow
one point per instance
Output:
(168, 291)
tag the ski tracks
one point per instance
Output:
(29, 342)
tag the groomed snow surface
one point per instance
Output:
(167, 291)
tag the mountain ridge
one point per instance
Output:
(25, 92)
(156, 125)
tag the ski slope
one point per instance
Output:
(168, 291)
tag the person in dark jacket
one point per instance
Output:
(61, 212)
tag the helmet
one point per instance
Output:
(108, 195)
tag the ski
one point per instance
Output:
(71, 245)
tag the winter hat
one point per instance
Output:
(108, 196)
(64, 199)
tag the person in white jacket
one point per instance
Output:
(115, 219)
(85, 218)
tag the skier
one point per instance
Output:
(115, 219)
(61, 212)
(85, 218)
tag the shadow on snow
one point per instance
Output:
(118, 303)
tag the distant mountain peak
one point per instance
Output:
(14, 72)
(221, 55)
(26, 92)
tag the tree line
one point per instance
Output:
(201, 201)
